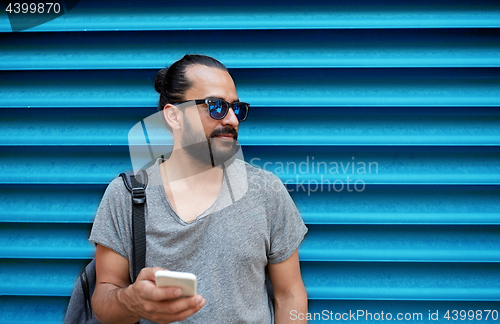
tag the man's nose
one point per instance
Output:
(230, 118)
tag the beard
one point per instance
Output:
(212, 151)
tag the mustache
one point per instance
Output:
(225, 131)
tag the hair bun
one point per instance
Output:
(160, 80)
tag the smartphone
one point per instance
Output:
(184, 280)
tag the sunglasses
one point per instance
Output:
(219, 108)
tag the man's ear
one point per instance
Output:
(172, 116)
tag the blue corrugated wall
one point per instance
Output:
(401, 98)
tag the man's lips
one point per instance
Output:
(227, 137)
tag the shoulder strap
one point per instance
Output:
(136, 184)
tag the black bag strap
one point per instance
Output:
(136, 184)
(84, 281)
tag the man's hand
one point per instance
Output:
(115, 300)
(161, 305)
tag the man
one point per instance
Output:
(210, 214)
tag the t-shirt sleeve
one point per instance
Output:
(287, 227)
(112, 227)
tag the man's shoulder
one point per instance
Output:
(116, 188)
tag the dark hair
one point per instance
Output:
(171, 82)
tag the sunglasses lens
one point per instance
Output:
(240, 110)
(218, 109)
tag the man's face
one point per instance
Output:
(198, 128)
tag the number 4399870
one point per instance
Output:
(471, 315)
(25, 7)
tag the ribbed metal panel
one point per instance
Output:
(379, 126)
(270, 48)
(293, 164)
(429, 87)
(382, 118)
(91, 15)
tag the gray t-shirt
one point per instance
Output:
(253, 222)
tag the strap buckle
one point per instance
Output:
(138, 195)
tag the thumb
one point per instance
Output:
(148, 273)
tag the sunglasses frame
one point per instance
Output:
(207, 100)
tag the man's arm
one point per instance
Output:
(289, 291)
(115, 300)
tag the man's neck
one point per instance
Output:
(181, 166)
(190, 187)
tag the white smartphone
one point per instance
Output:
(184, 280)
